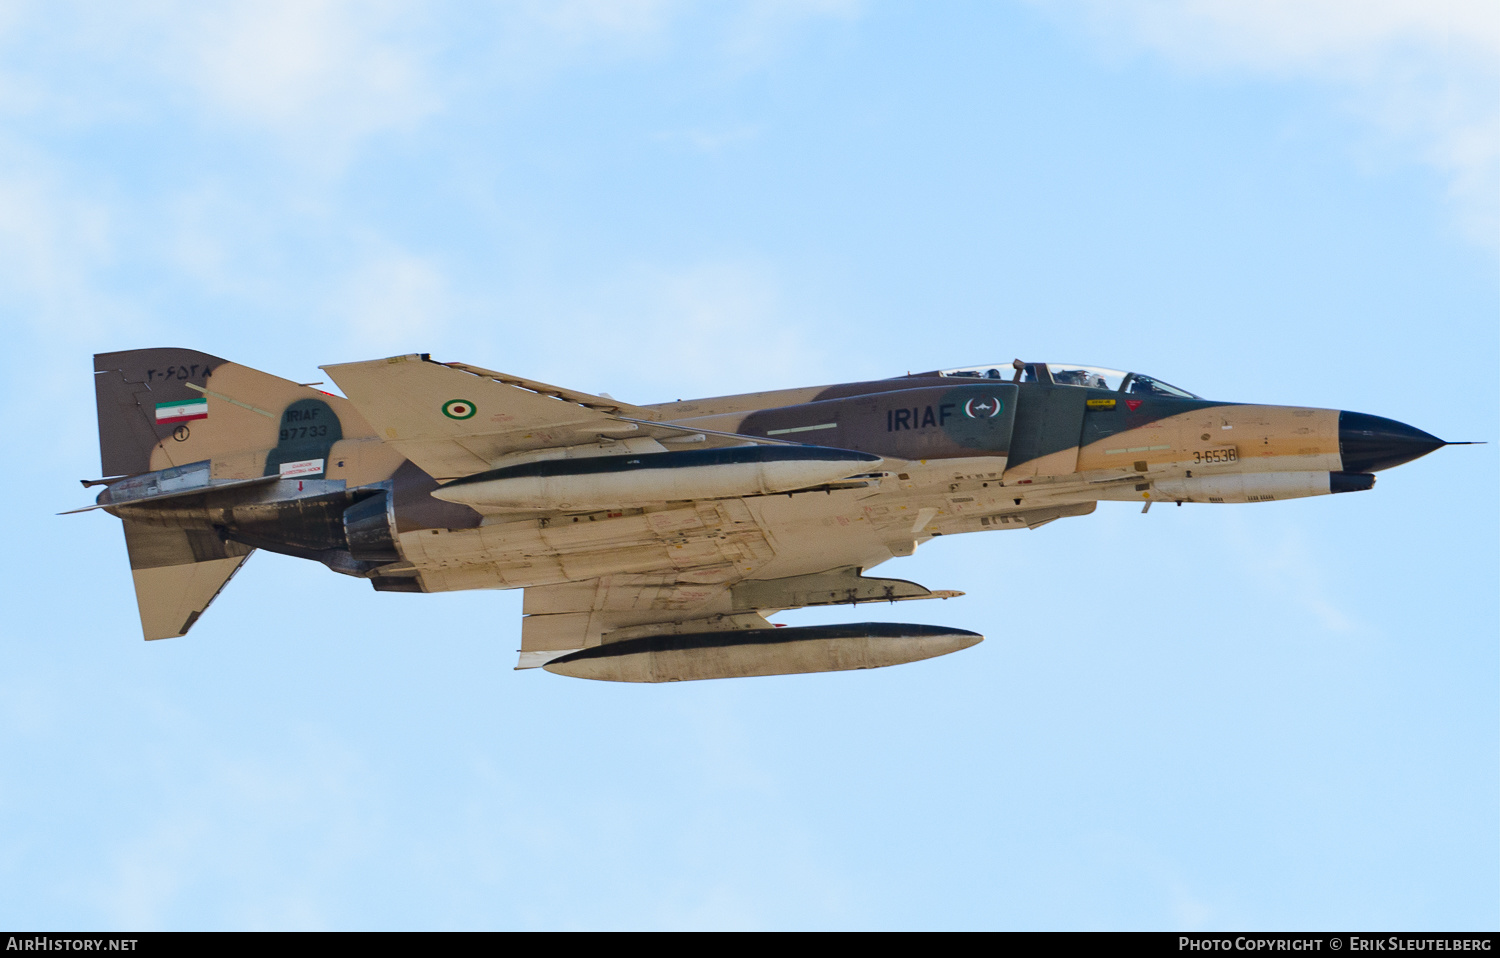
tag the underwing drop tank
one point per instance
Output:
(608, 481)
(736, 654)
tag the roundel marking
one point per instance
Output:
(983, 408)
(459, 409)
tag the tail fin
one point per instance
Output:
(170, 407)
(160, 408)
(127, 387)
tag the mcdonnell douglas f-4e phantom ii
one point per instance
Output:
(652, 541)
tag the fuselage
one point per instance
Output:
(944, 453)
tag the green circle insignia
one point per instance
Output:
(459, 409)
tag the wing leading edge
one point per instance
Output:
(455, 420)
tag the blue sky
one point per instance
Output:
(1263, 717)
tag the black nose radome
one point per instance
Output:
(1370, 443)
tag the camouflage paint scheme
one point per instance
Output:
(349, 482)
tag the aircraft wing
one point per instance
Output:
(704, 567)
(455, 420)
(576, 615)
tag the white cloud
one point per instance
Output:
(1279, 559)
(318, 76)
(323, 74)
(277, 59)
(751, 22)
(53, 241)
(1426, 72)
(705, 328)
(583, 21)
(763, 27)
(712, 140)
(241, 840)
(538, 38)
(394, 302)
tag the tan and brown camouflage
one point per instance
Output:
(653, 541)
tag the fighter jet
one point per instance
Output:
(653, 541)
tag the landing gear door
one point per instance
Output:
(1049, 425)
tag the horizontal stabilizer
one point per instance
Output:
(177, 573)
(108, 498)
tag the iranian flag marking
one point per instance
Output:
(184, 411)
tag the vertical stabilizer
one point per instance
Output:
(128, 386)
(164, 410)
(167, 407)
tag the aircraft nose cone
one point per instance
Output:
(1370, 443)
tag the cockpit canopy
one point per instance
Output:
(1069, 374)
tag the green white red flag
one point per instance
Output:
(184, 411)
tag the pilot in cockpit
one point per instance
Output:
(1079, 377)
(1144, 385)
